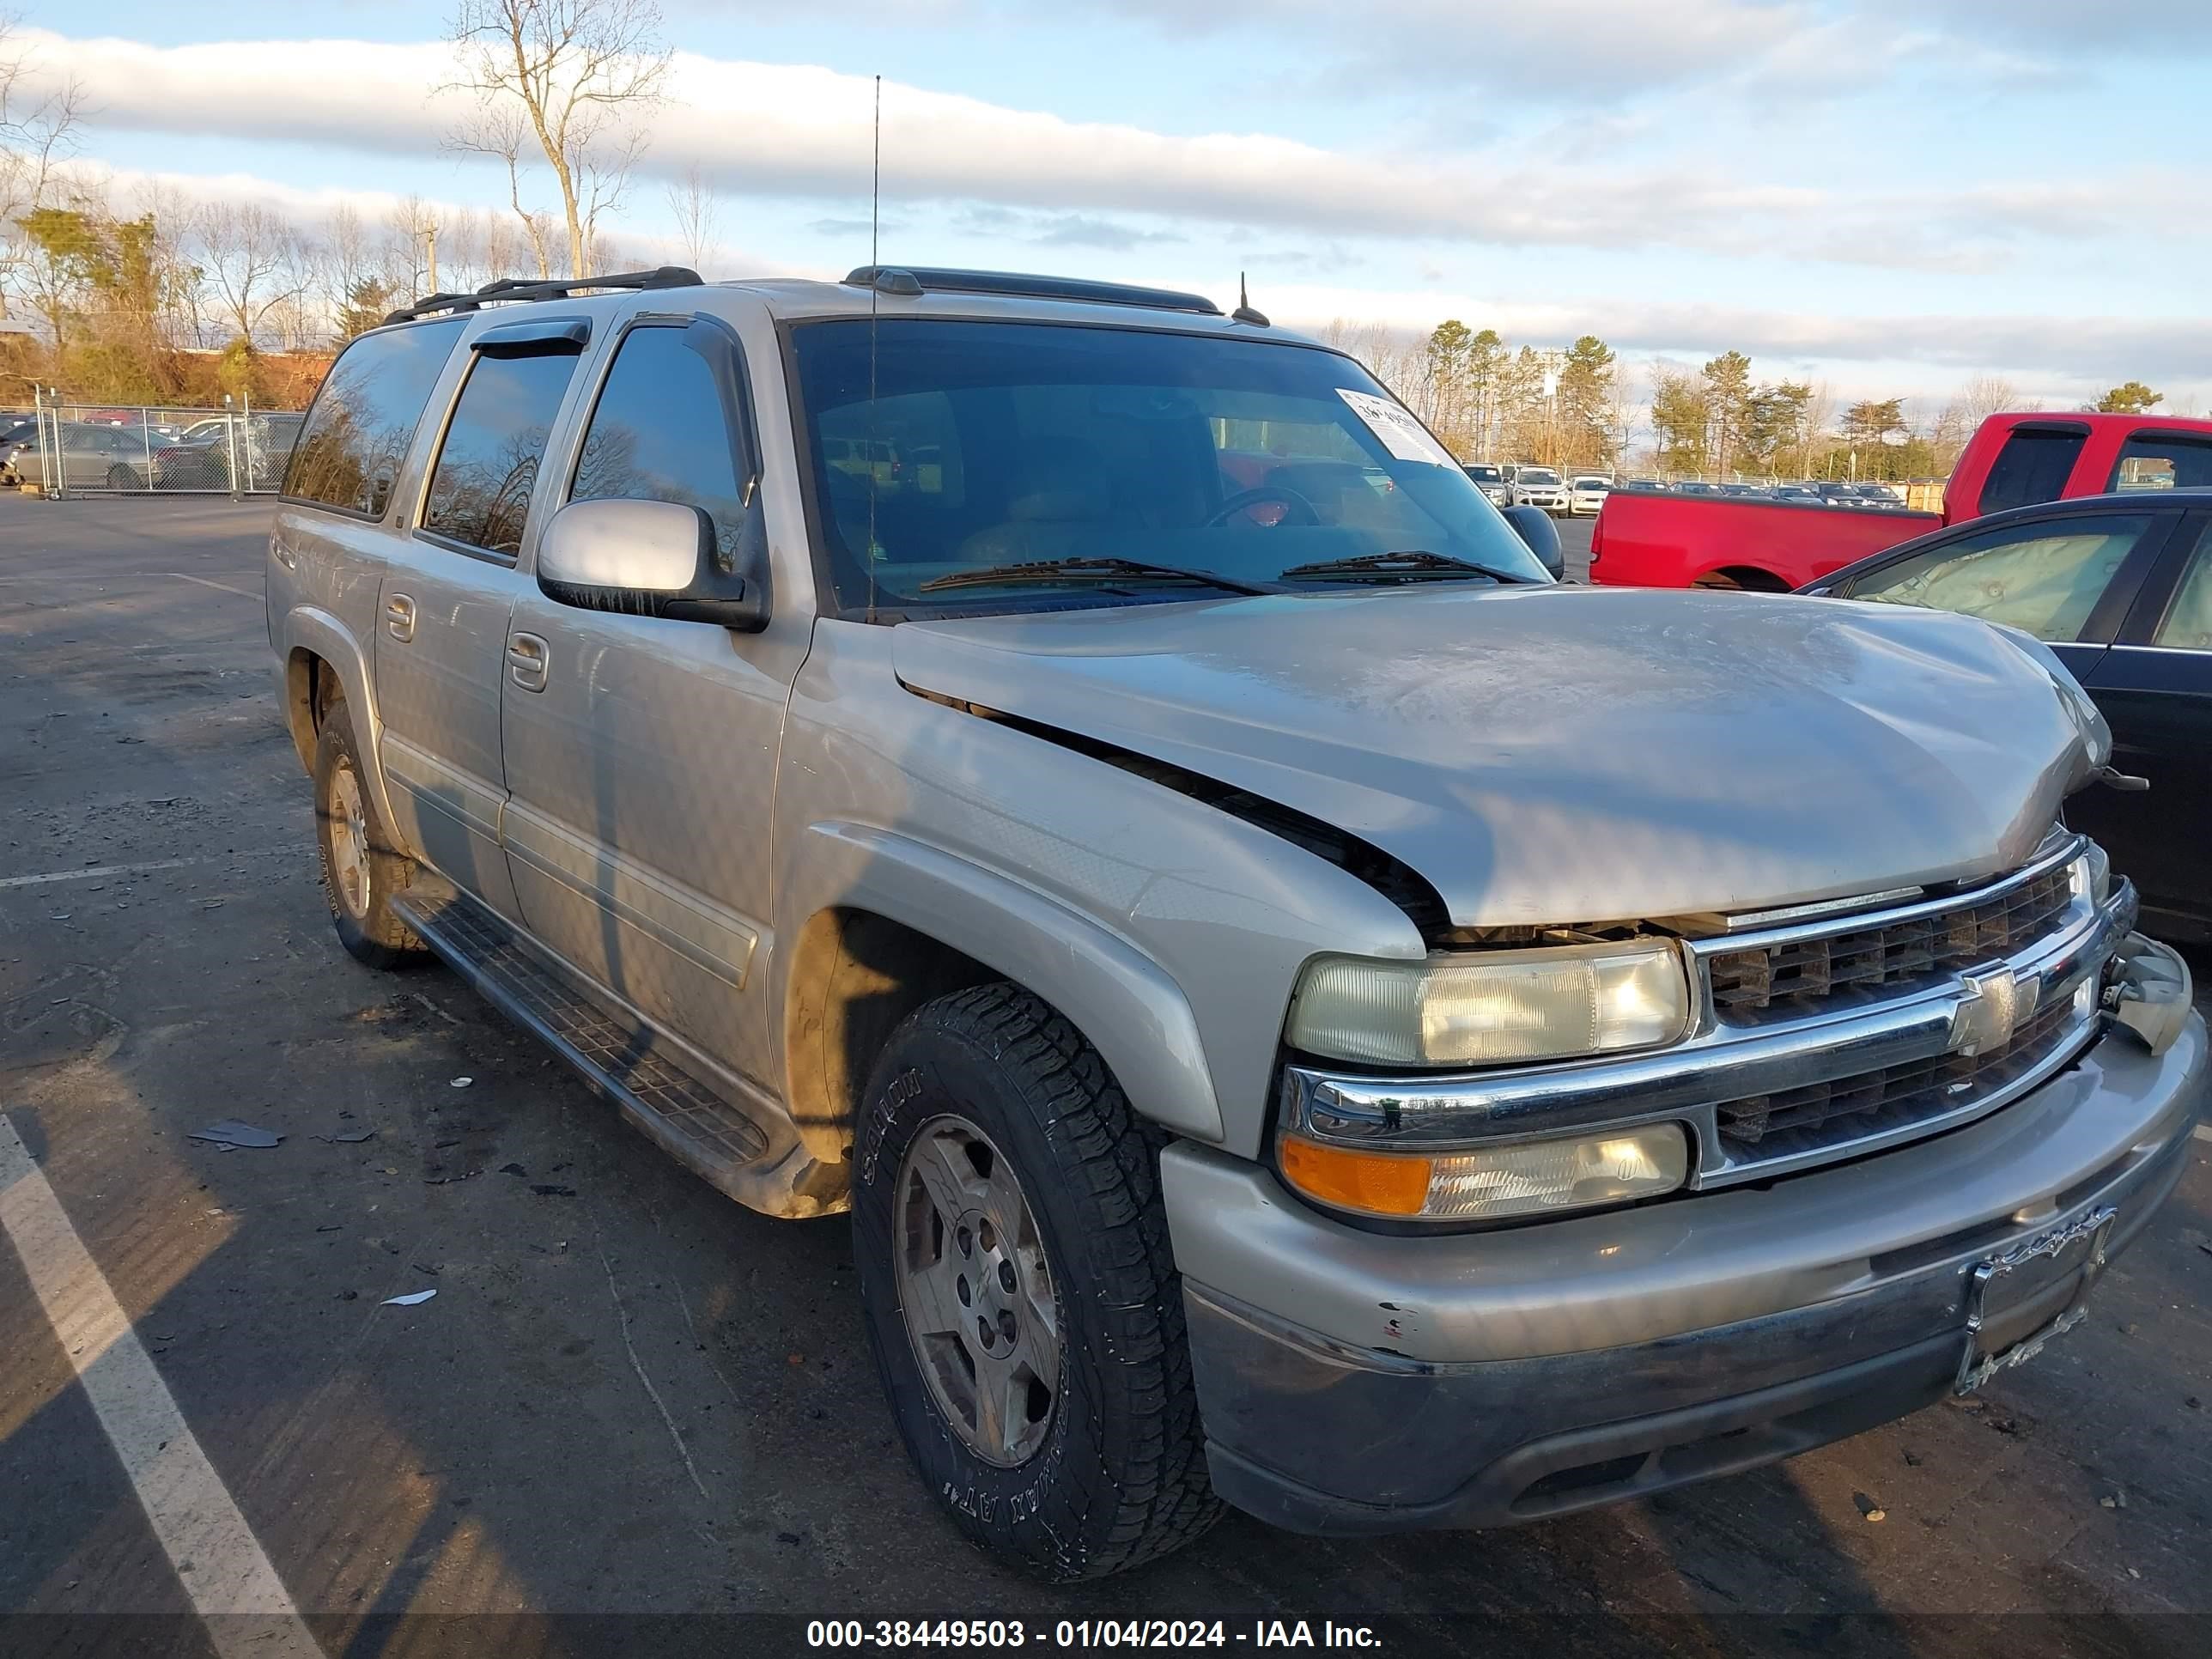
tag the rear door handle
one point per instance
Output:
(399, 617)
(525, 661)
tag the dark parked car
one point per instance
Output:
(200, 458)
(1489, 480)
(2120, 587)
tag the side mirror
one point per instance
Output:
(653, 559)
(1533, 526)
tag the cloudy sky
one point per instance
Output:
(1889, 196)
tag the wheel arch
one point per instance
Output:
(323, 664)
(898, 922)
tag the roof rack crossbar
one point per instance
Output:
(520, 288)
(893, 279)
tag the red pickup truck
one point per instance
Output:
(1660, 539)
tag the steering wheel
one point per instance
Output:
(1297, 509)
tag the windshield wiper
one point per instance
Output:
(1088, 568)
(1415, 564)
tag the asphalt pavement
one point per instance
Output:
(636, 1417)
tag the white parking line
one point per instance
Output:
(93, 872)
(225, 586)
(217, 1558)
(2203, 1132)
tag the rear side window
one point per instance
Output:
(488, 465)
(659, 434)
(2164, 460)
(363, 420)
(2032, 468)
(2187, 624)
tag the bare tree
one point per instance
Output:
(173, 280)
(1986, 395)
(35, 138)
(1621, 411)
(564, 75)
(1820, 410)
(503, 131)
(251, 255)
(698, 213)
(410, 228)
(603, 250)
(346, 258)
(499, 251)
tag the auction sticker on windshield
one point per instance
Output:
(1402, 434)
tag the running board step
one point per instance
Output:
(625, 1060)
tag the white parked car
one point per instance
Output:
(1586, 493)
(1538, 486)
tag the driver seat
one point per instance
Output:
(1062, 494)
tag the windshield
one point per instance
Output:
(1486, 474)
(1019, 443)
(1537, 475)
(1593, 484)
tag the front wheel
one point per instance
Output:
(1021, 1299)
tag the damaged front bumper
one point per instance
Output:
(1352, 1381)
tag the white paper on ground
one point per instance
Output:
(1402, 434)
(409, 1300)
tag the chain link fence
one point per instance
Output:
(61, 449)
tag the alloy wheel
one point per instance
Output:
(975, 1290)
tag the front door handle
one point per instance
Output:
(399, 617)
(525, 661)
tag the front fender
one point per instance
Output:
(313, 630)
(1130, 1011)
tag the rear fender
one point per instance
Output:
(312, 629)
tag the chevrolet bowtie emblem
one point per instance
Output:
(1994, 1003)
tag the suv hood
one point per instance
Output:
(1556, 755)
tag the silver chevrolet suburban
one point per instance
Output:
(1303, 1009)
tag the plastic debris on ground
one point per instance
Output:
(231, 1133)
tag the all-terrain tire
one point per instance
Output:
(361, 909)
(1120, 1478)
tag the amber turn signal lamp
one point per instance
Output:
(1378, 1183)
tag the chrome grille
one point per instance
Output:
(1818, 1114)
(1793, 977)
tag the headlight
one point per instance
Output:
(2091, 875)
(1496, 1183)
(1487, 1009)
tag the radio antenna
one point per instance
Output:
(875, 294)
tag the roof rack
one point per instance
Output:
(515, 288)
(917, 279)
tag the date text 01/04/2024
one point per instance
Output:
(1085, 1633)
